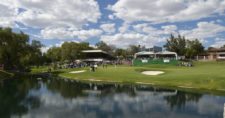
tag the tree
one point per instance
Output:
(103, 46)
(176, 44)
(194, 48)
(14, 49)
(132, 49)
(54, 54)
(73, 50)
(36, 54)
(120, 53)
(68, 51)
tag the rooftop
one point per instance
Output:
(93, 51)
(216, 50)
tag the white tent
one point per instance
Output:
(164, 54)
(144, 53)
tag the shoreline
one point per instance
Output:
(220, 92)
(5, 75)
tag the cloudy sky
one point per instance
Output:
(116, 22)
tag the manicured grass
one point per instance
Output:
(204, 75)
(40, 69)
(5, 75)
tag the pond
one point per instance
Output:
(61, 98)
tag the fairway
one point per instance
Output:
(204, 75)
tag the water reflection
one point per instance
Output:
(59, 98)
(180, 98)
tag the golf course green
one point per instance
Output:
(204, 75)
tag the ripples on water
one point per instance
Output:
(58, 98)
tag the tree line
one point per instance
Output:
(184, 47)
(70, 51)
(17, 52)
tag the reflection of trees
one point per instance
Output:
(14, 99)
(130, 90)
(70, 89)
(67, 89)
(111, 89)
(179, 100)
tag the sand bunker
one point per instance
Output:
(80, 71)
(152, 72)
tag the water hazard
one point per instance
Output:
(59, 98)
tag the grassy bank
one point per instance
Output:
(204, 75)
(5, 75)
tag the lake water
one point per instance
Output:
(58, 98)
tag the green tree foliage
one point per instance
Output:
(120, 53)
(54, 54)
(68, 51)
(103, 46)
(15, 51)
(72, 50)
(183, 46)
(176, 44)
(132, 49)
(194, 48)
(36, 54)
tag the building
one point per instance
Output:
(97, 56)
(152, 49)
(150, 57)
(216, 54)
(156, 49)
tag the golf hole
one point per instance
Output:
(152, 72)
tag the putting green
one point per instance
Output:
(204, 75)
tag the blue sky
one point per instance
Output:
(116, 22)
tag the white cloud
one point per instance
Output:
(44, 13)
(140, 34)
(61, 19)
(204, 30)
(125, 39)
(7, 15)
(65, 19)
(44, 49)
(56, 33)
(108, 28)
(66, 34)
(124, 28)
(168, 29)
(157, 11)
(111, 17)
(148, 29)
(146, 34)
(85, 34)
(219, 42)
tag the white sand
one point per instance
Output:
(80, 71)
(152, 72)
